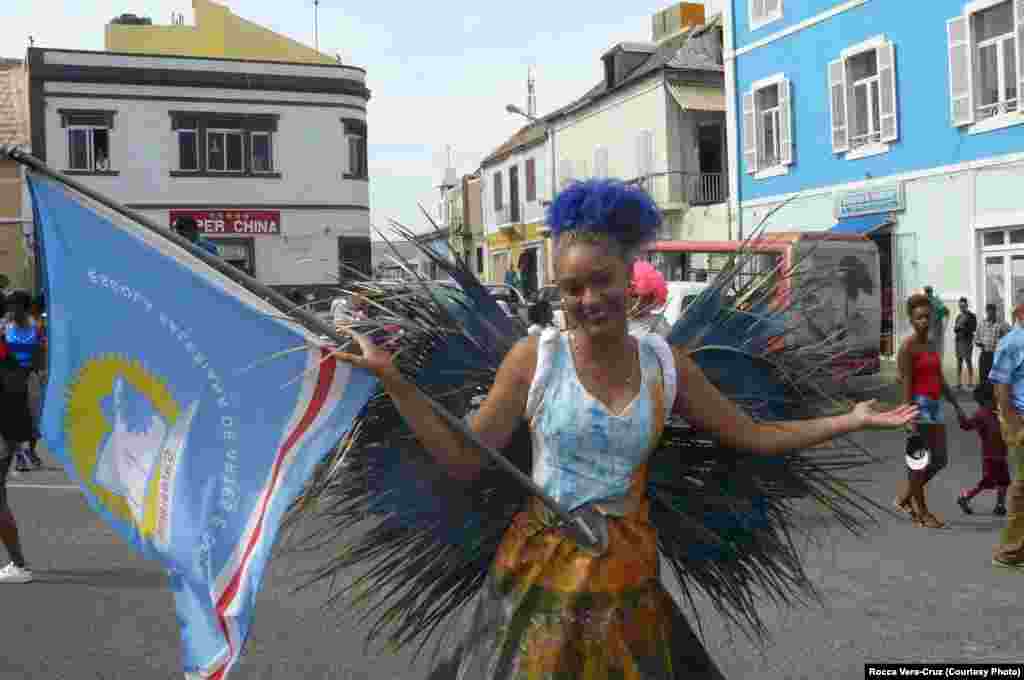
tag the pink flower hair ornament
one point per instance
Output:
(649, 284)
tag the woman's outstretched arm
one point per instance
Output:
(494, 423)
(709, 410)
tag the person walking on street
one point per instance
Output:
(1007, 377)
(15, 429)
(964, 328)
(995, 473)
(990, 331)
(937, 321)
(920, 368)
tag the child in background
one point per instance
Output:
(995, 472)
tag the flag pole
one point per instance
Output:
(307, 319)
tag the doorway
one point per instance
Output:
(528, 270)
(239, 252)
(710, 186)
(885, 274)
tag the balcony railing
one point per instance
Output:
(707, 188)
(703, 188)
(996, 109)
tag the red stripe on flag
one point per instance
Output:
(323, 386)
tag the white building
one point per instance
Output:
(269, 157)
(513, 188)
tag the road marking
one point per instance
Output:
(65, 487)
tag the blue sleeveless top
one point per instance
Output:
(22, 343)
(582, 452)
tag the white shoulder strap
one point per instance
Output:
(547, 348)
(668, 367)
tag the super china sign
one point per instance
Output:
(234, 222)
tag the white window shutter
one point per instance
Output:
(601, 161)
(649, 152)
(888, 107)
(644, 156)
(749, 133)
(1018, 18)
(785, 123)
(837, 98)
(961, 83)
(564, 172)
(756, 10)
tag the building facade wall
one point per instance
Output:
(957, 182)
(504, 246)
(927, 137)
(311, 191)
(615, 124)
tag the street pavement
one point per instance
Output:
(899, 593)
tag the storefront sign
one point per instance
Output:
(880, 199)
(233, 222)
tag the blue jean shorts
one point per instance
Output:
(929, 411)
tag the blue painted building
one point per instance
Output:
(896, 118)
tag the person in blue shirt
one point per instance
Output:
(19, 356)
(1007, 377)
(188, 228)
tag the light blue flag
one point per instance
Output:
(175, 403)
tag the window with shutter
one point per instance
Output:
(768, 127)
(986, 67)
(862, 94)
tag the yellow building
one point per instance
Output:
(217, 33)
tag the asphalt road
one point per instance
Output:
(901, 593)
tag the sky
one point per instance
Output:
(440, 74)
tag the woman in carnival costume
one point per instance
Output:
(585, 413)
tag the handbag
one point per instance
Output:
(917, 455)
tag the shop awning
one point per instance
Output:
(863, 225)
(697, 98)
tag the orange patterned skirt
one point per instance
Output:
(552, 609)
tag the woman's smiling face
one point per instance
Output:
(595, 287)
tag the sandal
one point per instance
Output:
(932, 522)
(906, 508)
